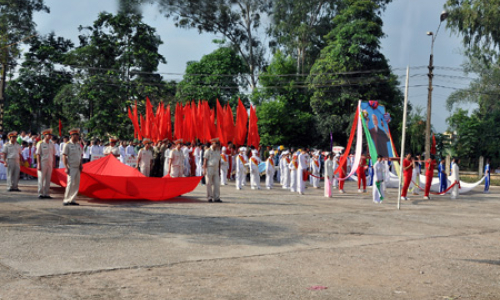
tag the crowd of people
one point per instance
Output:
(291, 169)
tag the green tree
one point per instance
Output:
(237, 20)
(285, 116)
(30, 103)
(115, 64)
(415, 131)
(351, 67)
(216, 76)
(16, 26)
(298, 27)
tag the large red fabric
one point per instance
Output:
(109, 179)
(343, 158)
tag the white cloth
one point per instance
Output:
(123, 154)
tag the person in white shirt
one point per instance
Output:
(86, 152)
(270, 170)
(224, 166)
(315, 169)
(166, 169)
(130, 153)
(95, 150)
(378, 180)
(12, 156)
(254, 170)
(45, 155)
(302, 160)
(198, 160)
(285, 170)
(145, 158)
(241, 161)
(123, 155)
(3, 170)
(328, 174)
(176, 161)
(294, 166)
(57, 151)
(455, 178)
(61, 147)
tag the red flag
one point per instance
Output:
(220, 125)
(253, 132)
(178, 121)
(241, 124)
(344, 157)
(60, 128)
(229, 124)
(168, 116)
(433, 147)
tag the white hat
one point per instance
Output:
(286, 152)
(242, 149)
(224, 148)
(255, 152)
(271, 152)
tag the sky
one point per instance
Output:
(406, 44)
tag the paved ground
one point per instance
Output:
(257, 245)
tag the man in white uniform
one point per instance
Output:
(176, 161)
(315, 169)
(12, 158)
(112, 149)
(45, 155)
(224, 166)
(123, 155)
(211, 170)
(145, 158)
(72, 159)
(61, 147)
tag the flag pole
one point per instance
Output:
(403, 136)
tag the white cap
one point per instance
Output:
(224, 148)
(255, 152)
(286, 152)
(243, 149)
(271, 152)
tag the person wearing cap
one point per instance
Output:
(45, 156)
(211, 170)
(176, 161)
(285, 170)
(145, 158)
(72, 159)
(270, 170)
(378, 180)
(12, 157)
(254, 170)
(224, 166)
(315, 170)
(293, 166)
(241, 161)
(112, 149)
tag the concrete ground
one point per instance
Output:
(267, 244)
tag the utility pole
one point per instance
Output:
(443, 17)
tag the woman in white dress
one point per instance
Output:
(455, 177)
